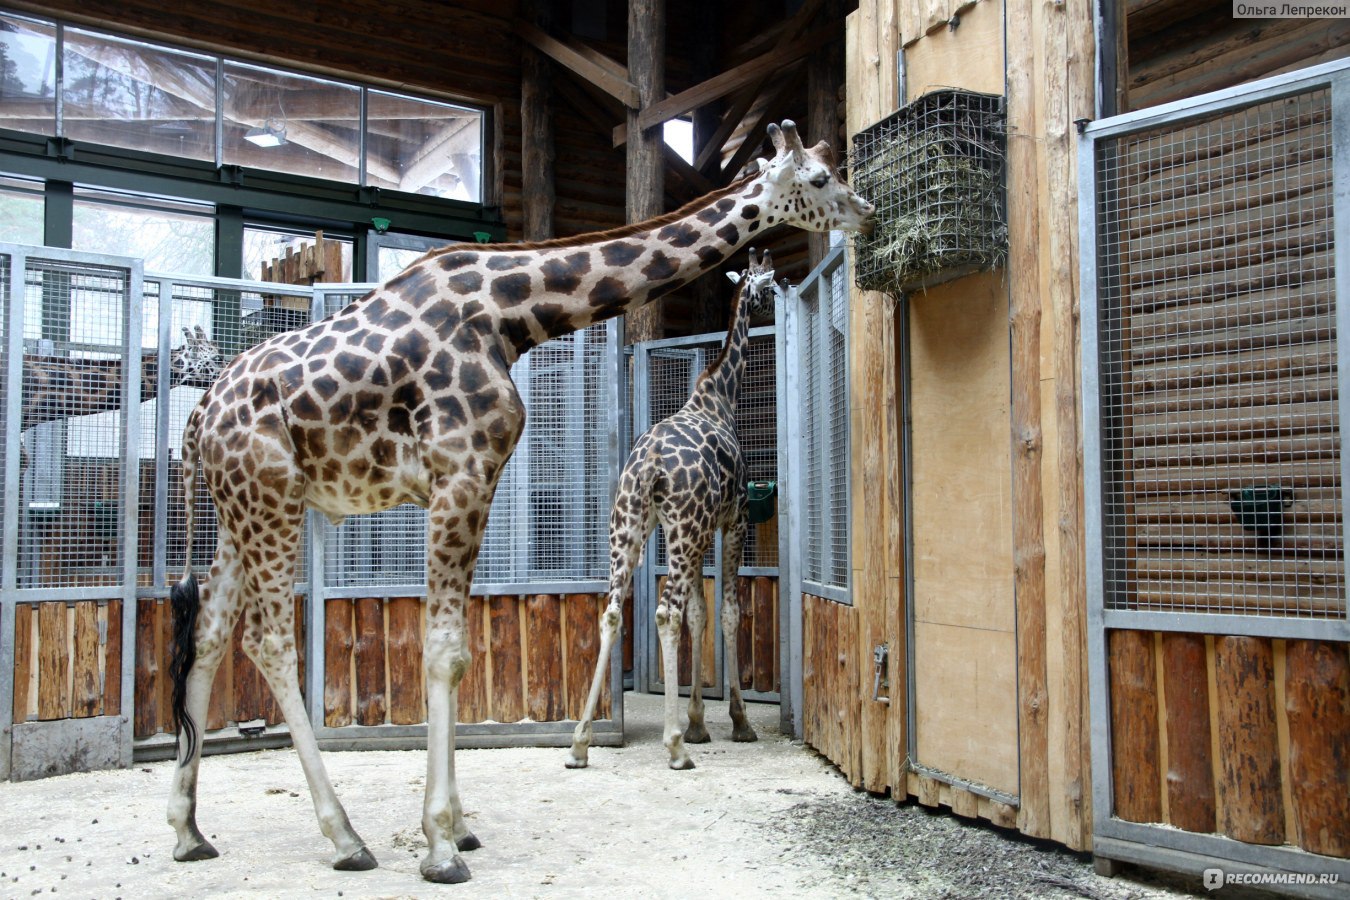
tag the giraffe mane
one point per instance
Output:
(595, 237)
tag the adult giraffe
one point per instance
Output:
(406, 396)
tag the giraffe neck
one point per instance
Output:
(542, 291)
(716, 389)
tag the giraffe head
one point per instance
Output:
(757, 284)
(805, 187)
(198, 362)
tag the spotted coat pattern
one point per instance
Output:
(686, 472)
(406, 396)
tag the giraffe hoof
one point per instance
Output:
(201, 851)
(681, 765)
(360, 861)
(574, 761)
(696, 734)
(451, 871)
(467, 843)
(744, 735)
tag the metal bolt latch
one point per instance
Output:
(881, 674)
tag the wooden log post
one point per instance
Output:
(538, 154)
(1190, 766)
(1249, 749)
(824, 77)
(1317, 701)
(1134, 727)
(646, 158)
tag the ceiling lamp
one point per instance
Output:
(272, 134)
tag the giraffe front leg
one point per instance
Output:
(446, 661)
(697, 731)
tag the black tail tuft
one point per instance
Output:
(186, 600)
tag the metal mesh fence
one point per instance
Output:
(823, 413)
(74, 445)
(1218, 359)
(935, 171)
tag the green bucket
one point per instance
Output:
(763, 505)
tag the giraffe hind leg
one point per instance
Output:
(697, 730)
(733, 540)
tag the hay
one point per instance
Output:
(935, 171)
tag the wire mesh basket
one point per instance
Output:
(935, 171)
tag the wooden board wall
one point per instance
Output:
(67, 660)
(1239, 736)
(533, 658)
(756, 636)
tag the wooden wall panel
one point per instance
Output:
(545, 699)
(507, 696)
(765, 650)
(24, 660)
(339, 641)
(53, 657)
(1250, 799)
(112, 658)
(371, 701)
(1134, 726)
(147, 716)
(1317, 701)
(581, 639)
(86, 685)
(1190, 764)
(407, 680)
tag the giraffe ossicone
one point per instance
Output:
(688, 474)
(406, 396)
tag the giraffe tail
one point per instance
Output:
(185, 600)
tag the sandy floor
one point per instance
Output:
(752, 820)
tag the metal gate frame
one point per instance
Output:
(10, 594)
(1115, 838)
(647, 676)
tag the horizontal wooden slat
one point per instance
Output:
(1191, 479)
(1311, 233)
(1294, 270)
(1235, 368)
(1219, 336)
(1266, 422)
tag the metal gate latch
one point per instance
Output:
(881, 677)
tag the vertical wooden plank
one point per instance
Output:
(507, 701)
(627, 632)
(1249, 755)
(1317, 701)
(53, 662)
(762, 592)
(164, 612)
(248, 682)
(710, 633)
(745, 633)
(810, 689)
(473, 705)
(1134, 726)
(686, 655)
(1190, 767)
(23, 658)
(338, 651)
(147, 670)
(407, 702)
(581, 637)
(546, 701)
(371, 703)
(86, 691)
(112, 659)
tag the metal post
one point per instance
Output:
(131, 489)
(787, 381)
(615, 397)
(9, 554)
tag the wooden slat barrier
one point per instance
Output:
(831, 706)
(473, 690)
(507, 695)
(1317, 702)
(407, 681)
(339, 641)
(371, 701)
(67, 660)
(1134, 726)
(1190, 763)
(545, 699)
(1250, 800)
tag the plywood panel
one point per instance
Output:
(507, 696)
(339, 642)
(966, 703)
(407, 703)
(545, 698)
(961, 458)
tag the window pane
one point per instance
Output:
(290, 123)
(21, 211)
(123, 93)
(27, 75)
(423, 147)
(171, 237)
(266, 249)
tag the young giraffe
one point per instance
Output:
(406, 396)
(59, 387)
(686, 472)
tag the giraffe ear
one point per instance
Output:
(735, 277)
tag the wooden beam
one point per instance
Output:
(537, 152)
(645, 167)
(726, 83)
(582, 63)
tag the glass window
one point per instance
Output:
(424, 147)
(171, 236)
(21, 211)
(122, 93)
(27, 75)
(296, 257)
(291, 123)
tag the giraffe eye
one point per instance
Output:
(820, 181)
